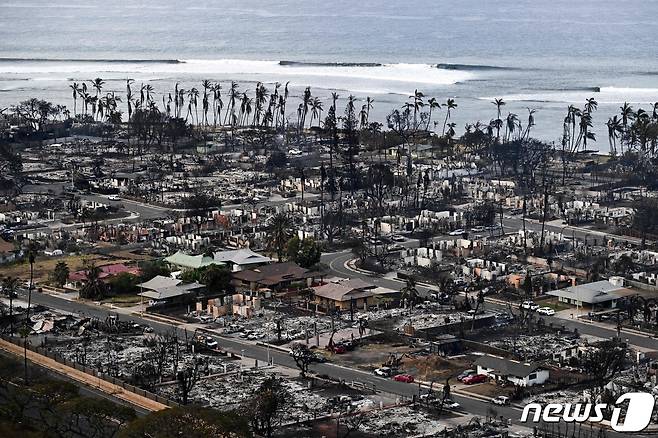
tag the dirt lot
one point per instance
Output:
(370, 356)
(433, 367)
(44, 266)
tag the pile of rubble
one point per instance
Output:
(535, 347)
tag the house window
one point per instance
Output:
(532, 376)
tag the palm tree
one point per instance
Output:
(499, 104)
(591, 105)
(193, 96)
(261, 98)
(232, 97)
(218, 103)
(280, 232)
(207, 85)
(417, 103)
(369, 106)
(614, 128)
(316, 110)
(97, 84)
(306, 101)
(531, 122)
(76, 89)
(433, 104)
(450, 105)
(9, 288)
(510, 125)
(409, 294)
(129, 98)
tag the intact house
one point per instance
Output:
(506, 370)
(181, 261)
(276, 276)
(602, 294)
(235, 260)
(78, 278)
(240, 259)
(167, 291)
(345, 294)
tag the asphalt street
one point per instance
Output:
(263, 353)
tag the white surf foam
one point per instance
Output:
(385, 78)
(607, 95)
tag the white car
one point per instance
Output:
(451, 404)
(546, 311)
(529, 305)
(113, 197)
(395, 247)
(397, 238)
(383, 372)
(457, 232)
(501, 400)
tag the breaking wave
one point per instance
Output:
(376, 78)
(473, 67)
(604, 95)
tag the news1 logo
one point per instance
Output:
(637, 418)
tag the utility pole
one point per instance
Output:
(31, 259)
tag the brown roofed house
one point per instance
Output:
(344, 294)
(273, 276)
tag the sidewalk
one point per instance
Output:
(84, 378)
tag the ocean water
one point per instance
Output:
(537, 54)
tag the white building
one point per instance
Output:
(506, 370)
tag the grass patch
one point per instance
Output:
(123, 300)
(44, 266)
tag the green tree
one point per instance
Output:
(280, 231)
(216, 278)
(309, 253)
(123, 283)
(152, 269)
(94, 288)
(60, 274)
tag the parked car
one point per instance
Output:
(500, 400)
(546, 311)
(457, 232)
(383, 372)
(397, 238)
(406, 378)
(475, 378)
(211, 343)
(530, 305)
(450, 404)
(113, 197)
(478, 229)
(395, 247)
(317, 357)
(465, 374)
(337, 349)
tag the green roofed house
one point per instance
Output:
(235, 259)
(182, 261)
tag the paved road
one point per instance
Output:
(262, 353)
(336, 262)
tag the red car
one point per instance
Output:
(337, 349)
(476, 378)
(406, 378)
